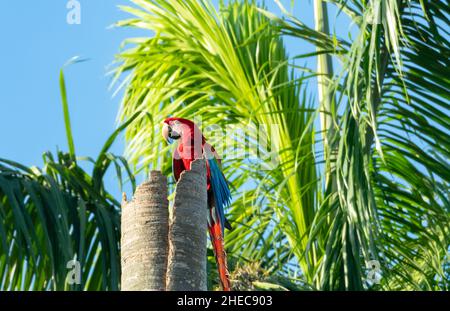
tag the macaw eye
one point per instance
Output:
(176, 126)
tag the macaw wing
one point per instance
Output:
(220, 189)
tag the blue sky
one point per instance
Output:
(37, 42)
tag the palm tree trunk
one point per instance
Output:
(161, 251)
(144, 243)
(187, 235)
(325, 75)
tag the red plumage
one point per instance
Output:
(191, 147)
(215, 233)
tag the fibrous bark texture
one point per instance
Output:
(186, 269)
(161, 252)
(144, 241)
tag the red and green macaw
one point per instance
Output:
(192, 145)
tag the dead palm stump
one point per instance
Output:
(144, 239)
(186, 269)
(158, 253)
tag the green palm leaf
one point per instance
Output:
(230, 67)
(52, 215)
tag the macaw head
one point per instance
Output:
(176, 128)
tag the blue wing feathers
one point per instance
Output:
(222, 194)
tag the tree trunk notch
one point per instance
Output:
(161, 251)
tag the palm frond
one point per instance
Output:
(53, 215)
(392, 202)
(390, 148)
(230, 68)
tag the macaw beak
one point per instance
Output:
(165, 133)
(169, 134)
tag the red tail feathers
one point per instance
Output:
(221, 257)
